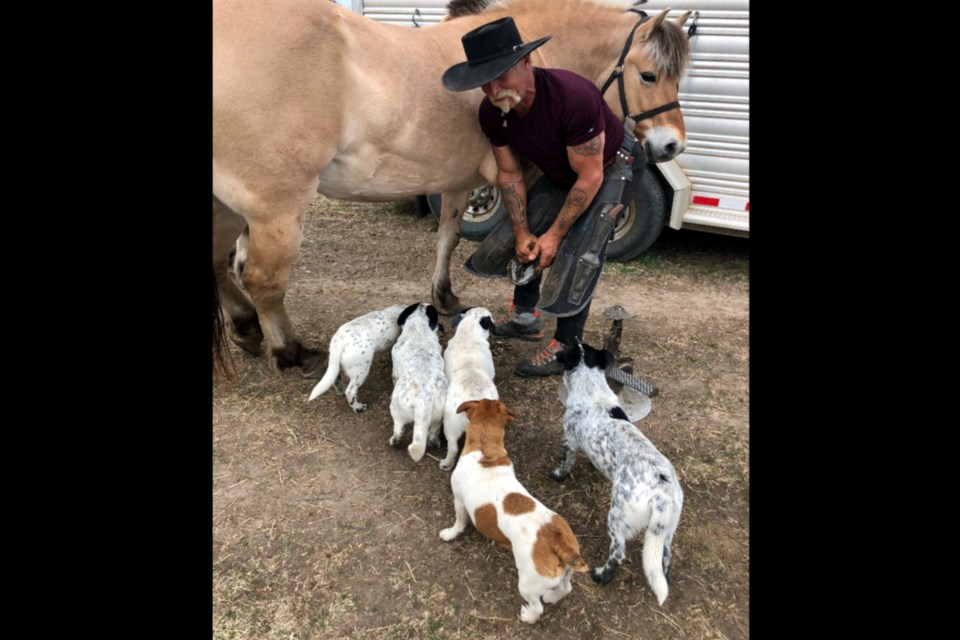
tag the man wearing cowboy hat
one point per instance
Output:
(559, 121)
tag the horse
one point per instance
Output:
(310, 98)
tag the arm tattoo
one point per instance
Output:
(589, 148)
(513, 203)
(573, 206)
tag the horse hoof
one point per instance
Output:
(314, 364)
(247, 334)
(447, 302)
(297, 355)
(253, 348)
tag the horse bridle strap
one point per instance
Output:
(618, 74)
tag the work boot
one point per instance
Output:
(544, 363)
(524, 324)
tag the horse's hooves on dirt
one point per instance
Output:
(297, 355)
(254, 348)
(247, 334)
(447, 303)
(314, 363)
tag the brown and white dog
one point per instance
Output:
(484, 485)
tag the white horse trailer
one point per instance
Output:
(707, 187)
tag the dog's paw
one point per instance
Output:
(433, 442)
(394, 441)
(559, 474)
(601, 575)
(529, 615)
(446, 466)
(358, 407)
(449, 534)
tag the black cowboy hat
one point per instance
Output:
(491, 50)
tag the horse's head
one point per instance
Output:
(652, 70)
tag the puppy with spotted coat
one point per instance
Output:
(468, 364)
(486, 490)
(419, 384)
(352, 348)
(646, 493)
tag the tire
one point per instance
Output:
(643, 221)
(484, 211)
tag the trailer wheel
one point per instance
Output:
(643, 220)
(484, 210)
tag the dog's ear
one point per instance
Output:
(487, 323)
(569, 357)
(596, 358)
(466, 406)
(455, 320)
(606, 359)
(406, 313)
(508, 412)
(433, 316)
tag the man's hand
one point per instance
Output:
(547, 247)
(524, 248)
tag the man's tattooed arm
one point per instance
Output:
(587, 160)
(513, 201)
(590, 147)
(514, 193)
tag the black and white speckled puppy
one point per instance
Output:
(352, 348)
(419, 384)
(646, 493)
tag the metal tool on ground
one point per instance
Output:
(621, 371)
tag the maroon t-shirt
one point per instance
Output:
(567, 110)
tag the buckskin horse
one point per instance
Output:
(309, 97)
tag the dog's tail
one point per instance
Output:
(333, 370)
(565, 545)
(653, 547)
(422, 416)
(575, 562)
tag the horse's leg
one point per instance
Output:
(273, 246)
(453, 204)
(240, 313)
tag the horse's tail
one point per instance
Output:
(333, 369)
(222, 363)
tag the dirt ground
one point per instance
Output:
(322, 530)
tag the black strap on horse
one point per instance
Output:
(618, 74)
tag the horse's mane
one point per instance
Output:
(457, 8)
(670, 49)
(669, 45)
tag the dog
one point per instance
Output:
(646, 493)
(352, 348)
(468, 364)
(486, 489)
(419, 384)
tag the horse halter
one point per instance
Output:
(618, 74)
